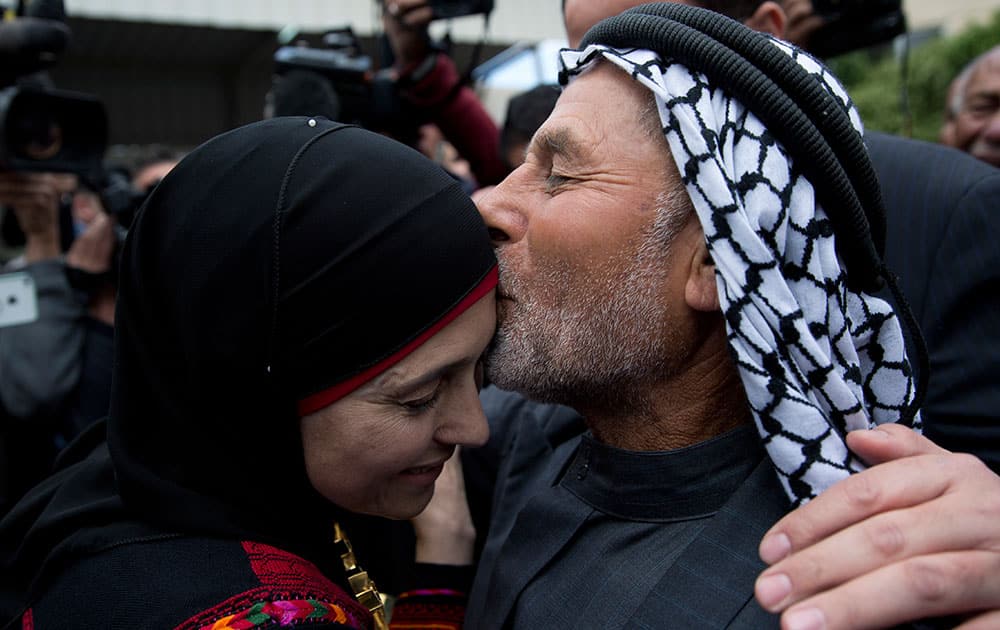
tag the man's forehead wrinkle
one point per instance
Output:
(559, 140)
(992, 61)
(983, 71)
(588, 152)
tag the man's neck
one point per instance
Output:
(704, 401)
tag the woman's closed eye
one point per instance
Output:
(423, 403)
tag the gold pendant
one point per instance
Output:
(362, 585)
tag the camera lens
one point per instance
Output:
(36, 136)
(35, 131)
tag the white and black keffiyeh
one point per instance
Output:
(817, 360)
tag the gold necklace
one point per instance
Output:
(362, 585)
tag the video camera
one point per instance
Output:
(447, 9)
(336, 81)
(43, 129)
(339, 81)
(854, 24)
(444, 9)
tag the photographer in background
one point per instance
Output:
(65, 208)
(150, 169)
(428, 79)
(525, 114)
(828, 28)
(55, 372)
(432, 143)
(802, 21)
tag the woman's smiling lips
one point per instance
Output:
(423, 475)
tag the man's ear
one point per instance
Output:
(769, 18)
(701, 292)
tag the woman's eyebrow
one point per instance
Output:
(396, 378)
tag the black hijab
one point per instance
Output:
(273, 263)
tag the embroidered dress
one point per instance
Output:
(295, 593)
(253, 586)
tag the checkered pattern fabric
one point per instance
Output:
(817, 360)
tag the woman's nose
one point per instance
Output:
(466, 423)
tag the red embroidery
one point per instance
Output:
(274, 567)
(284, 577)
(28, 620)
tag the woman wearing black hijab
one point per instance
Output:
(301, 312)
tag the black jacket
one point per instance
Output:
(943, 229)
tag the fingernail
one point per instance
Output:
(805, 619)
(773, 589)
(775, 547)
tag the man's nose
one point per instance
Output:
(991, 131)
(502, 212)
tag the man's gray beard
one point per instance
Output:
(606, 343)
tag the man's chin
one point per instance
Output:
(508, 366)
(520, 377)
(993, 160)
(498, 365)
(504, 306)
(989, 155)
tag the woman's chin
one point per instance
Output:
(400, 508)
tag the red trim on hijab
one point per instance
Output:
(328, 396)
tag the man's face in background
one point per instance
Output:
(976, 129)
